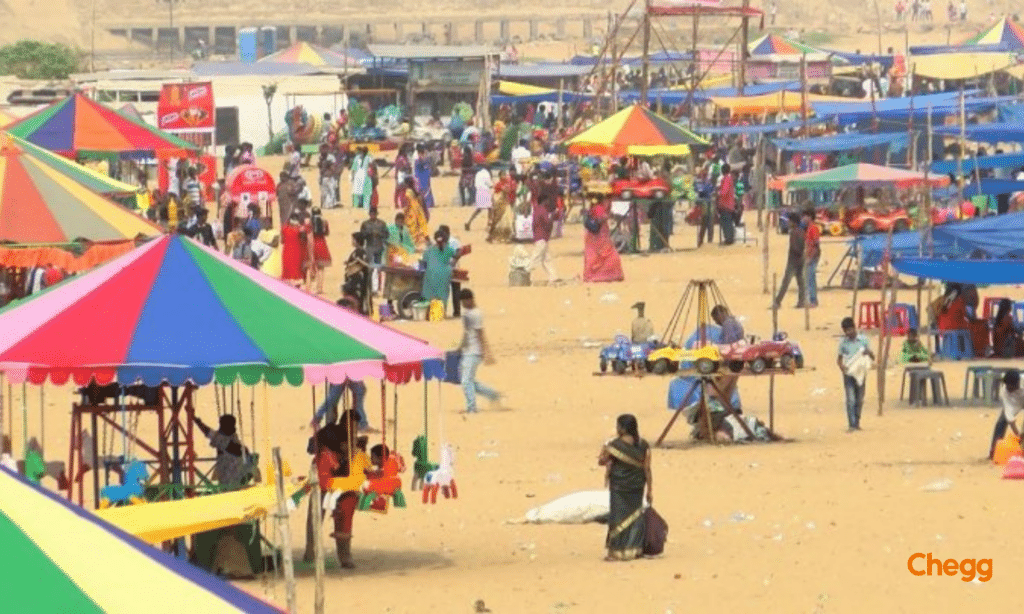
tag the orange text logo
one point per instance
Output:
(921, 564)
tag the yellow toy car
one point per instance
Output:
(668, 359)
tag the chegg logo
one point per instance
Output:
(921, 564)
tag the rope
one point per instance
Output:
(124, 424)
(42, 417)
(394, 387)
(24, 414)
(383, 413)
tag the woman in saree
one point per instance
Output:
(415, 214)
(601, 261)
(627, 459)
(499, 227)
(422, 171)
(1006, 336)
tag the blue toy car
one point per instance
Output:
(624, 354)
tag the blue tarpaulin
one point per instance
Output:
(680, 96)
(993, 187)
(1011, 113)
(757, 128)
(963, 271)
(944, 167)
(858, 59)
(937, 49)
(844, 142)
(546, 97)
(986, 133)
(904, 244)
(996, 236)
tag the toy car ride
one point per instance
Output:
(629, 189)
(669, 359)
(864, 221)
(624, 354)
(778, 352)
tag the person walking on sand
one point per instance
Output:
(627, 462)
(475, 350)
(483, 194)
(794, 262)
(854, 361)
(812, 254)
(1013, 403)
(543, 223)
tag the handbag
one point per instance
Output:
(591, 223)
(655, 532)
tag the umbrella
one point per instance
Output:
(45, 199)
(120, 321)
(305, 53)
(78, 125)
(634, 131)
(64, 559)
(856, 174)
(1004, 32)
(773, 44)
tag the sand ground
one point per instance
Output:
(828, 520)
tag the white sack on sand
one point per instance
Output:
(575, 508)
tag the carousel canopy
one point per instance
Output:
(634, 131)
(95, 181)
(854, 175)
(775, 45)
(305, 53)
(1004, 32)
(173, 310)
(47, 200)
(104, 571)
(80, 126)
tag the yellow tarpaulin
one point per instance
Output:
(511, 88)
(158, 522)
(771, 103)
(960, 65)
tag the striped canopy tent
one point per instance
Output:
(64, 559)
(78, 126)
(1004, 32)
(306, 53)
(859, 174)
(112, 324)
(6, 118)
(634, 131)
(773, 44)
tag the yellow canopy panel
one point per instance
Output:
(511, 88)
(960, 65)
(770, 103)
(158, 522)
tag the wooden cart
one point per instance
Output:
(404, 286)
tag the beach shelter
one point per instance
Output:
(306, 53)
(43, 199)
(64, 559)
(634, 131)
(112, 323)
(1005, 32)
(859, 174)
(79, 126)
(995, 272)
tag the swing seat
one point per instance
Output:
(135, 476)
(422, 466)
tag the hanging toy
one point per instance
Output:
(378, 491)
(442, 478)
(422, 466)
(131, 488)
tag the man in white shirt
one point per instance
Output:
(519, 157)
(1013, 403)
(475, 350)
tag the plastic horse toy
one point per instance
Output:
(442, 478)
(130, 490)
(422, 466)
(377, 490)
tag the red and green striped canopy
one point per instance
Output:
(773, 44)
(634, 131)
(78, 125)
(857, 174)
(62, 559)
(175, 311)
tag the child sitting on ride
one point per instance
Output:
(389, 464)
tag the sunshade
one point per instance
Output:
(773, 44)
(43, 200)
(117, 322)
(305, 53)
(513, 88)
(1004, 32)
(791, 102)
(960, 65)
(64, 559)
(634, 131)
(162, 521)
(963, 271)
(856, 174)
(78, 125)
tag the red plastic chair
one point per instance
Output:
(899, 320)
(988, 308)
(869, 315)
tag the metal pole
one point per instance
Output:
(646, 53)
(286, 537)
(744, 42)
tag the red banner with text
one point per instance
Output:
(186, 108)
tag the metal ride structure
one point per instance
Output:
(699, 298)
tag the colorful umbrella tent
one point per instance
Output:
(111, 323)
(80, 126)
(856, 174)
(634, 131)
(1004, 32)
(305, 53)
(47, 200)
(773, 44)
(67, 560)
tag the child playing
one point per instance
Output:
(913, 350)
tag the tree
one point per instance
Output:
(35, 60)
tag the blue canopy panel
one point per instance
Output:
(936, 49)
(701, 95)
(757, 128)
(858, 59)
(945, 167)
(997, 236)
(993, 187)
(896, 142)
(547, 97)
(904, 244)
(963, 271)
(1011, 113)
(1012, 132)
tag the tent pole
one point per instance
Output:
(856, 282)
(771, 378)
(286, 538)
(883, 325)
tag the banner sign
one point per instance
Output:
(186, 107)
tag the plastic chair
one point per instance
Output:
(907, 371)
(955, 344)
(869, 315)
(989, 306)
(977, 388)
(1018, 313)
(919, 387)
(915, 321)
(899, 320)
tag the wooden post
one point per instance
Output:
(856, 282)
(561, 104)
(764, 230)
(878, 22)
(771, 378)
(744, 42)
(645, 67)
(960, 151)
(318, 543)
(696, 68)
(803, 92)
(286, 538)
(883, 325)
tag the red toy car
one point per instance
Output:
(868, 222)
(759, 356)
(628, 189)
